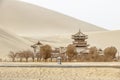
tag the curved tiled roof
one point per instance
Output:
(79, 34)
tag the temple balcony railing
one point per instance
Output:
(78, 42)
(81, 45)
(79, 37)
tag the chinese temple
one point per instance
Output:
(80, 41)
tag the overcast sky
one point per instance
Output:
(104, 13)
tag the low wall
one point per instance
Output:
(64, 64)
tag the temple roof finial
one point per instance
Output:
(79, 33)
(38, 43)
(79, 30)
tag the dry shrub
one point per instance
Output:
(46, 52)
(71, 52)
(84, 57)
(110, 53)
(92, 50)
(93, 55)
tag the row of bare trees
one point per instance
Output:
(45, 53)
(21, 55)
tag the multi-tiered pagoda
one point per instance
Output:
(80, 41)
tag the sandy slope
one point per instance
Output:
(30, 20)
(105, 39)
(99, 39)
(18, 73)
(11, 42)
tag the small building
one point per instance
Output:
(59, 51)
(80, 41)
(62, 49)
(55, 53)
(0, 59)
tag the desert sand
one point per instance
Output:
(88, 73)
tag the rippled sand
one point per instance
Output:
(24, 73)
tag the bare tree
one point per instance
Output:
(20, 55)
(38, 56)
(27, 54)
(12, 55)
(32, 56)
(0, 60)
(46, 52)
(71, 51)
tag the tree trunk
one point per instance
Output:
(69, 59)
(20, 59)
(33, 59)
(40, 59)
(37, 59)
(26, 59)
(51, 59)
(45, 60)
(13, 60)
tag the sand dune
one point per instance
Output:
(11, 42)
(35, 22)
(30, 20)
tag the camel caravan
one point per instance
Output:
(78, 51)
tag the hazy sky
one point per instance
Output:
(104, 13)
